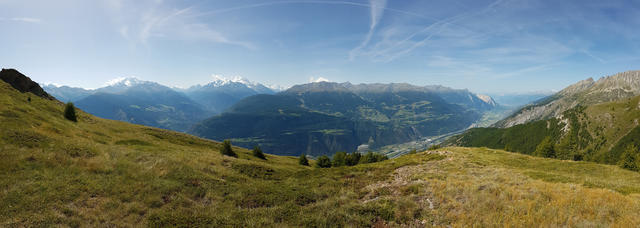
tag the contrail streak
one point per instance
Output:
(311, 2)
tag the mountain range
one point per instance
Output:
(153, 104)
(326, 117)
(96, 172)
(584, 93)
(316, 118)
(222, 93)
(589, 120)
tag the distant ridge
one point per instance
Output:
(322, 118)
(584, 93)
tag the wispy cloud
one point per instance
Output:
(154, 19)
(23, 19)
(324, 2)
(390, 48)
(377, 10)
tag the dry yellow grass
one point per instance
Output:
(475, 186)
(98, 172)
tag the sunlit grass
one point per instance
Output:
(107, 173)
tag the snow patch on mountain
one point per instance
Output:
(125, 81)
(219, 81)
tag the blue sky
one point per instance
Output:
(486, 46)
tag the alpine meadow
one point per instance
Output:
(356, 113)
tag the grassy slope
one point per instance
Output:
(96, 171)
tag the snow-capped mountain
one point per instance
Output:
(120, 85)
(145, 102)
(222, 93)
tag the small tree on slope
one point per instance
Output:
(70, 112)
(227, 150)
(629, 158)
(257, 152)
(303, 160)
(546, 148)
(323, 162)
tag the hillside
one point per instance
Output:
(99, 172)
(145, 103)
(584, 93)
(324, 118)
(594, 133)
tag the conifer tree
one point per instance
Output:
(353, 159)
(257, 152)
(303, 160)
(323, 162)
(339, 159)
(546, 148)
(629, 158)
(70, 112)
(227, 150)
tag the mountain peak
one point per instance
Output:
(487, 99)
(219, 80)
(125, 81)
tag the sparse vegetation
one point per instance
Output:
(227, 150)
(339, 159)
(69, 112)
(371, 157)
(629, 158)
(257, 152)
(323, 162)
(100, 172)
(302, 160)
(434, 147)
(353, 159)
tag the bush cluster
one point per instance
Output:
(346, 159)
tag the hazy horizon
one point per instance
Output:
(502, 46)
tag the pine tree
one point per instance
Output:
(629, 158)
(370, 157)
(546, 148)
(70, 112)
(303, 160)
(353, 159)
(257, 152)
(323, 162)
(227, 150)
(380, 157)
(434, 147)
(339, 159)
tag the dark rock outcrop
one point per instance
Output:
(23, 83)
